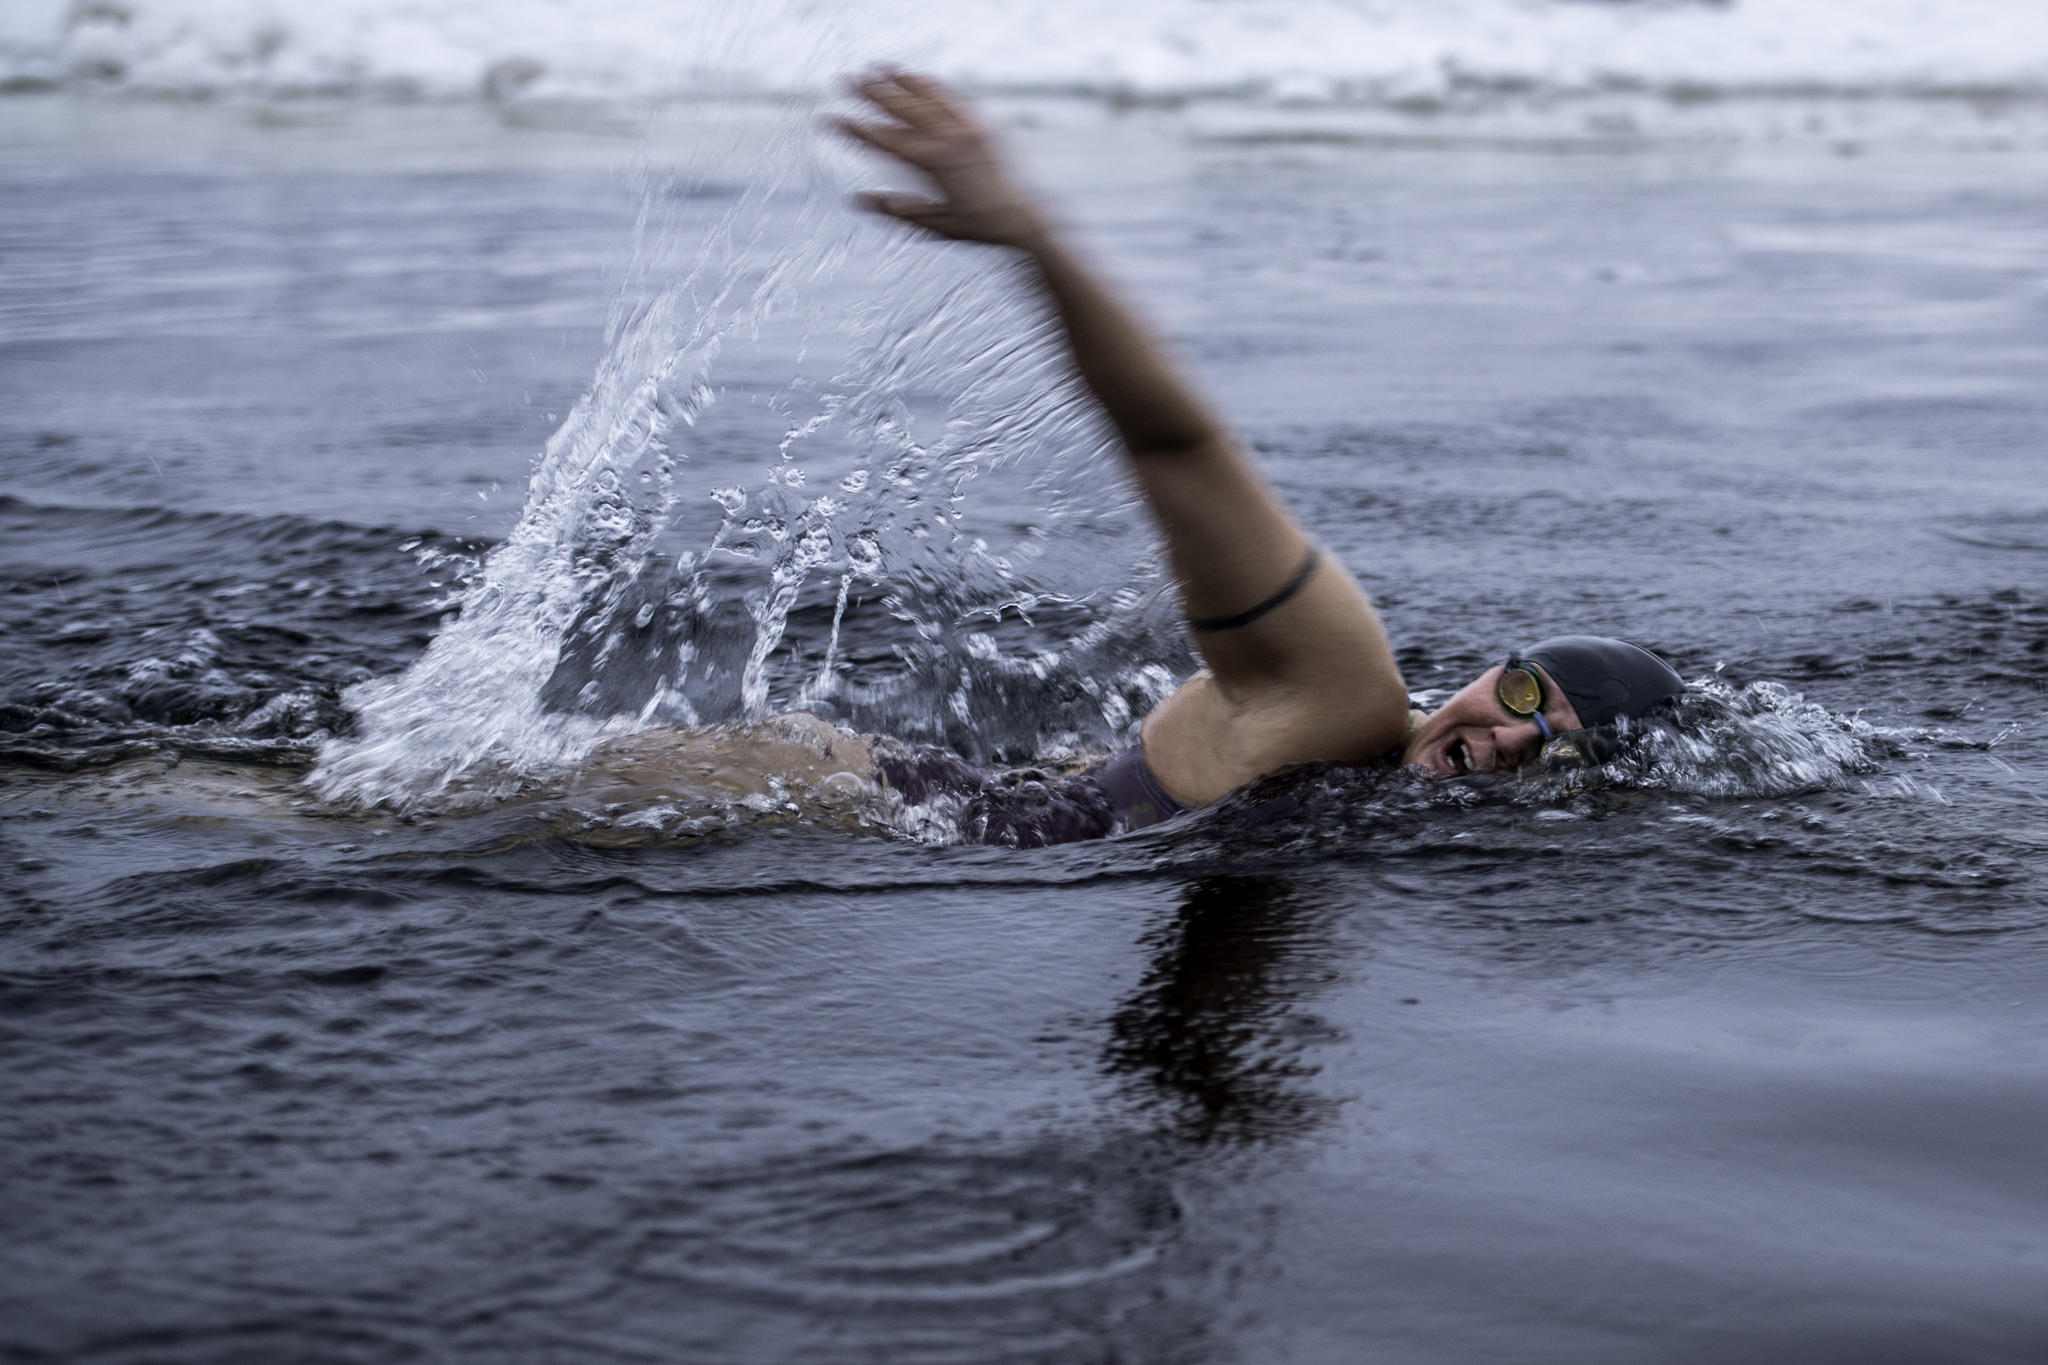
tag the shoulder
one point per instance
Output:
(1202, 744)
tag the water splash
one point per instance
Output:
(597, 504)
(1762, 740)
(589, 621)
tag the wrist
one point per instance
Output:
(1034, 235)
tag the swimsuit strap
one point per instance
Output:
(1209, 624)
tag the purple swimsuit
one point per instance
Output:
(1026, 807)
(1128, 781)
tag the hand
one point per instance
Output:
(931, 130)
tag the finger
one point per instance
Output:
(905, 208)
(908, 207)
(857, 83)
(899, 142)
(892, 96)
(940, 98)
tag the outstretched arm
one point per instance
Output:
(1312, 678)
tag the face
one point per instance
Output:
(1474, 733)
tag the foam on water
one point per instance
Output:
(1761, 740)
(1417, 56)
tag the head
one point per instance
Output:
(1588, 683)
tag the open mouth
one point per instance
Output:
(1458, 756)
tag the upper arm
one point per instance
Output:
(1232, 545)
(1325, 639)
(1313, 679)
(1321, 686)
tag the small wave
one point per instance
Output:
(165, 530)
(1762, 740)
(2026, 532)
(919, 1228)
(248, 630)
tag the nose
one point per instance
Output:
(1514, 745)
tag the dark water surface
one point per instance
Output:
(1737, 1055)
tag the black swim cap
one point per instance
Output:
(1605, 678)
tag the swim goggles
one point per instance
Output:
(1520, 693)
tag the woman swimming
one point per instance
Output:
(1298, 668)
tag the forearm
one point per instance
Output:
(1227, 536)
(1321, 652)
(1311, 677)
(1153, 408)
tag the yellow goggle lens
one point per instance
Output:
(1519, 692)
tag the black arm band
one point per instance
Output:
(1208, 624)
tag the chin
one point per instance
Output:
(1416, 756)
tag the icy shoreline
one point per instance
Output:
(1398, 57)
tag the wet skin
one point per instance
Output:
(1474, 733)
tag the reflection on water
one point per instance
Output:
(1211, 1038)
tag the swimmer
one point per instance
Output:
(1297, 665)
